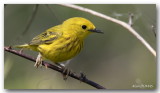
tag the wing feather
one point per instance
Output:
(47, 37)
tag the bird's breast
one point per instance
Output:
(62, 49)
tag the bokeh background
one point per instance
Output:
(115, 59)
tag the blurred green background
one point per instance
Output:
(115, 59)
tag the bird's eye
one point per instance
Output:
(84, 26)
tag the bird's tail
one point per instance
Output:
(22, 46)
(27, 46)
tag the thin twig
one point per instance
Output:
(154, 30)
(130, 21)
(35, 9)
(80, 77)
(51, 11)
(124, 24)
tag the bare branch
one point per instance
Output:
(125, 25)
(80, 77)
(154, 30)
(35, 9)
(51, 11)
(130, 21)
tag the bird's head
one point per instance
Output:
(79, 26)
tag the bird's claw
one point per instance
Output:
(38, 61)
(20, 51)
(66, 72)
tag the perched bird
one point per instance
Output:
(61, 42)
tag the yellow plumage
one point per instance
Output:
(62, 42)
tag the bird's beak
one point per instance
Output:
(96, 31)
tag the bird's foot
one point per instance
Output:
(66, 72)
(21, 51)
(46, 66)
(38, 61)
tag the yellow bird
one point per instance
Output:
(61, 42)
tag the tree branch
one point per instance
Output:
(35, 9)
(125, 25)
(80, 77)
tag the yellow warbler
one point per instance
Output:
(61, 42)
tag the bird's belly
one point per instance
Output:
(61, 52)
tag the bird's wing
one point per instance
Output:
(47, 37)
